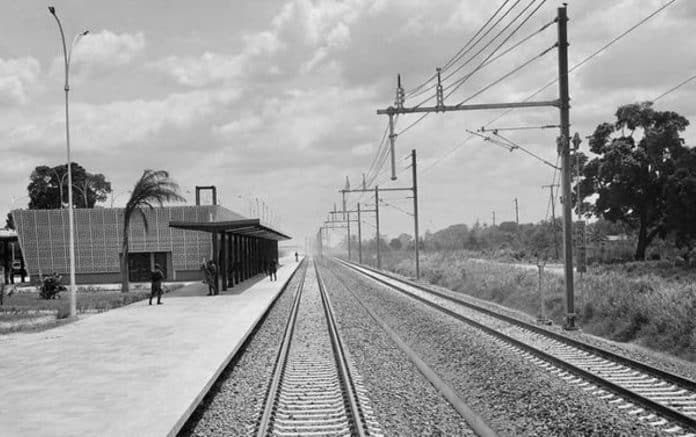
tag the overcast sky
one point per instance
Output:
(276, 99)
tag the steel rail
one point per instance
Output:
(347, 379)
(475, 421)
(661, 409)
(658, 373)
(266, 420)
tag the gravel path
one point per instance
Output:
(404, 402)
(516, 398)
(231, 406)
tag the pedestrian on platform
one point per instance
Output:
(212, 278)
(272, 270)
(156, 287)
(297, 258)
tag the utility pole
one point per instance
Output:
(552, 199)
(493, 212)
(562, 103)
(517, 212)
(359, 236)
(379, 255)
(347, 219)
(564, 110)
(415, 208)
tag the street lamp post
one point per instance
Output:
(71, 224)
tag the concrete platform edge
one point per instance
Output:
(206, 388)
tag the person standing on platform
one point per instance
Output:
(296, 257)
(272, 270)
(156, 287)
(212, 278)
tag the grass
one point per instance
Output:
(653, 305)
(26, 311)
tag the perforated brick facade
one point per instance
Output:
(43, 236)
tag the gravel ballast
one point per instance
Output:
(662, 361)
(404, 402)
(514, 396)
(232, 405)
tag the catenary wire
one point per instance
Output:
(572, 69)
(458, 83)
(671, 90)
(482, 49)
(458, 55)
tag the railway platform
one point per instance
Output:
(138, 370)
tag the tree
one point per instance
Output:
(541, 243)
(395, 244)
(9, 221)
(629, 175)
(154, 186)
(680, 196)
(48, 188)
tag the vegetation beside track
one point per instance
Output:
(647, 304)
(26, 311)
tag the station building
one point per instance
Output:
(178, 238)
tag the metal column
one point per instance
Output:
(225, 265)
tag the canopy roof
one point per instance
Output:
(249, 227)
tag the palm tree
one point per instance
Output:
(154, 186)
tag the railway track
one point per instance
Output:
(663, 400)
(314, 389)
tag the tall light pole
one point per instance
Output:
(71, 223)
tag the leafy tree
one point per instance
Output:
(510, 227)
(9, 221)
(680, 196)
(629, 175)
(48, 188)
(541, 243)
(153, 187)
(395, 244)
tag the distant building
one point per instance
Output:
(11, 260)
(179, 249)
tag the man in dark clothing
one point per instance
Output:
(272, 270)
(156, 287)
(212, 278)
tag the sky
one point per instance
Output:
(276, 100)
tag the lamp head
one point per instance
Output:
(52, 10)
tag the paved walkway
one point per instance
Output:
(138, 370)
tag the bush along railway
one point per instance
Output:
(661, 399)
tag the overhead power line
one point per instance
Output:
(502, 78)
(458, 83)
(482, 49)
(453, 58)
(671, 90)
(525, 150)
(570, 70)
(595, 53)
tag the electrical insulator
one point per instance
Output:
(439, 94)
(400, 95)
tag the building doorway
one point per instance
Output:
(141, 265)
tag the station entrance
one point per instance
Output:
(240, 248)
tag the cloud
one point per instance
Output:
(204, 70)
(108, 49)
(131, 126)
(300, 28)
(210, 68)
(16, 76)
